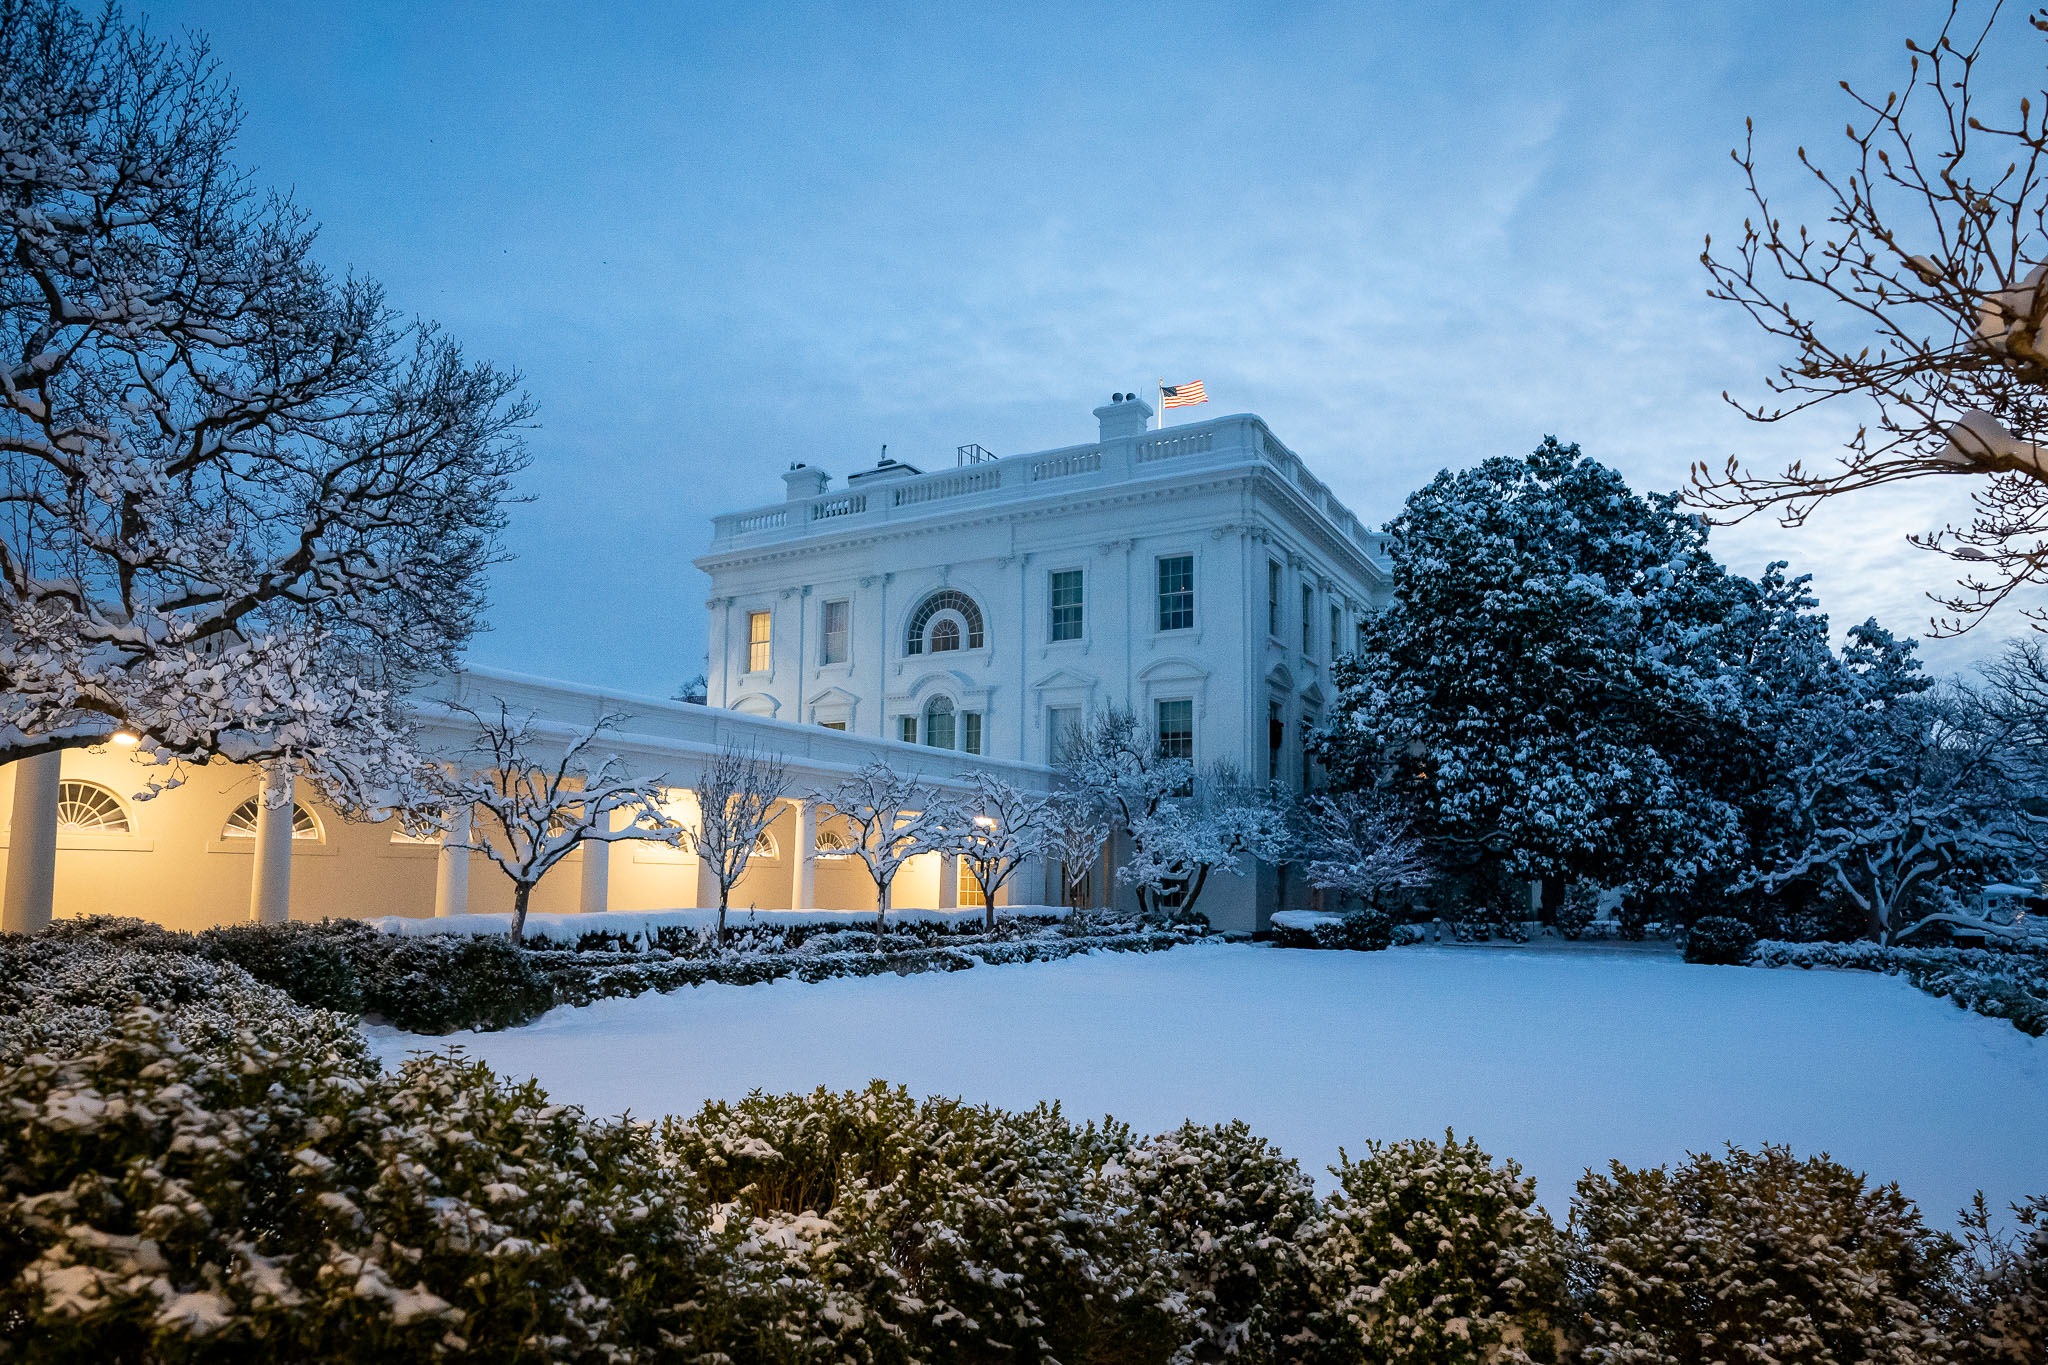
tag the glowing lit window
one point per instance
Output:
(970, 889)
(764, 847)
(242, 824)
(88, 808)
(757, 642)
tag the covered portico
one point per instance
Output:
(81, 842)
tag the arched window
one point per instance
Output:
(945, 635)
(89, 808)
(963, 612)
(832, 844)
(764, 847)
(242, 824)
(938, 723)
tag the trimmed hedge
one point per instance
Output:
(2009, 984)
(1718, 940)
(194, 1167)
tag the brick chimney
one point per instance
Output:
(1123, 416)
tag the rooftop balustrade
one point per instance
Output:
(993, 481)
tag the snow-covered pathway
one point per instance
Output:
(1558, 1059)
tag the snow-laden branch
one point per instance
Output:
(737, 794)
(890, 817)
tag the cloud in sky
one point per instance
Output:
(719, 239)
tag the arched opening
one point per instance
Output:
(242, 824)
(89, 808)
(960, 624)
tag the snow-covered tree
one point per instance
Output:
(545, 796)
(1922, 298)
(1216, 823)
(1004, 826)
(736, 797)
(1115, 761)
(1545, 688)
(248, 504)
(1361, 844)
(1073, 837)
(891, 817)
(1904, 811)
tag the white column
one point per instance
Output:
(32, 845)
(270, 880)
(707, 885)
(451, 871)
(949, 881)
(803, 892)
(596, 894)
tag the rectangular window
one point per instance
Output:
(1308, 776)
(1062, 725)
(1066, 605)
(970, 889)
(1177, 592)
(832, 633)
(1273, 598)
(906, 729)
(970, 731)
(1358, 638)
(1336, 632)
(1177, 729)
(1308, 620)
(757, 642)
(1276, 736)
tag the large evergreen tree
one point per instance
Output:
(1567, 684)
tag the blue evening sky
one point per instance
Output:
(717, 238)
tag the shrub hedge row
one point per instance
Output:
(2007, 984)
(193, 1167)
(440, 983)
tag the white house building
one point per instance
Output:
(941, 622)
(1199, 574)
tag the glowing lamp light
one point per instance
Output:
(127, 738)
(985, 822)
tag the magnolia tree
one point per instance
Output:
(736, 798)
(1214, 824)
(1359, 843)
(1072, 836)
(1003, 826)
(1922, 298)
(247, 503)
(890, 818)
(545, 798)
(1115, 764)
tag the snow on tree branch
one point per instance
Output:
(891, 818)
(1923, 296)
(1214, 824)
(1003, 826)
(243, 504)
(1359, 843)
(736, 799)
(540, 809)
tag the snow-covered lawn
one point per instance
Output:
(1559, 1059)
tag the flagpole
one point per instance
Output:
(1162, 405)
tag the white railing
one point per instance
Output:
(761, 521)
(1170, 447)
(839, 505)
(946, 486)
(1067, 465)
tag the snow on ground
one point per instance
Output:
(1560, 1059)
(643, 923)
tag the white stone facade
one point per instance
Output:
(1199, 574)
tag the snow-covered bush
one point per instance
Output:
(279, 1201)
(60, 993)
(1997, 983)
(1240, 1223)
(1719, 940)
(1433, 1254)
(2008, 1289)
(1756, 1256)
(1581, 907)
(935, 1230)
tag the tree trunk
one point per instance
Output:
(521, 891)
(1552, 899)
(724, 893)
(881, 912)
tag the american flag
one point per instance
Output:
(1181, 395)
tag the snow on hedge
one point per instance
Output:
(641, 925)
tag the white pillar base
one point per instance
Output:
(804, 882)
(451, 872)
